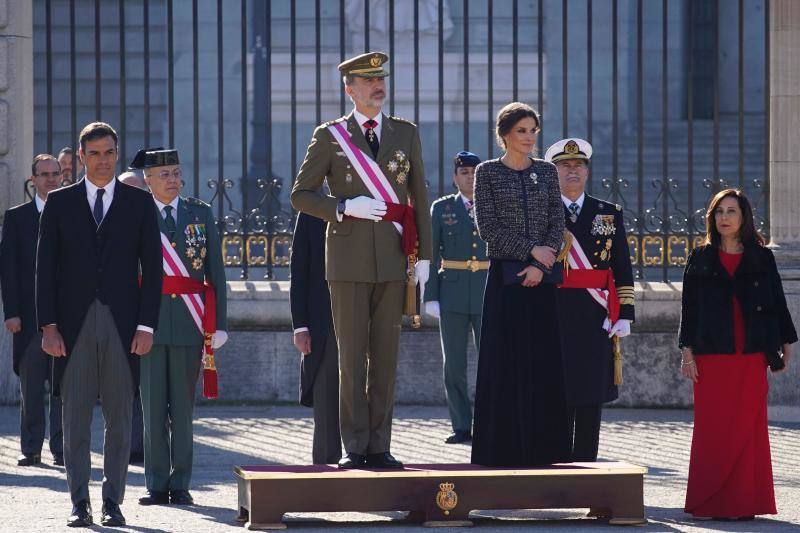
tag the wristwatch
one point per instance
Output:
(341, 207)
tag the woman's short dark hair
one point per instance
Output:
(509, 116)
(747, 231)
(97, 130)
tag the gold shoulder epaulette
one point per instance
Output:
(196, 201)
(403, 120)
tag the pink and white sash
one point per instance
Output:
(173, 266)
(367, 169)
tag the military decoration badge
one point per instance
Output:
(603, 225)
(605, 255)
(399, 166)
(195, 244)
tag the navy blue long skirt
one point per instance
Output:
(521, 414)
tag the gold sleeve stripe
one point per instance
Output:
(626, 301)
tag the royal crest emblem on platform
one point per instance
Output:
(446, 498)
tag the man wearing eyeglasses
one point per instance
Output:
(18, 278)
(192, 323)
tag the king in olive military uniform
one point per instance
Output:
(597, 228)
(169, 373)
(455, 286)
(365, 263)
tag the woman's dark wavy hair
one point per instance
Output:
(747, 232)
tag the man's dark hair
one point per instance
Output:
(97, 130)
(65, 151)
(509, 116)
(43, 157)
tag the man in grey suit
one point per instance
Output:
(96, 312)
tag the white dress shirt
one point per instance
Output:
(173, 204)
(361, 119)
(579, 201)
(466, 201)
(108, 196)
(39, 203)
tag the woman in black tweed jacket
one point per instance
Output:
(520, 406)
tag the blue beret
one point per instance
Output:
(466, 159)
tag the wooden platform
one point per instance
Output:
(439, 494)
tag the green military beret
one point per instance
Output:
(369, 65)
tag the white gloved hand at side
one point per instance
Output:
(365, 207)
(622, 328)
(422, 271)
(218, 338)
(432, 308)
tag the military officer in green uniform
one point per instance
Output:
(373, 166)
(170, 371)
(454, 292)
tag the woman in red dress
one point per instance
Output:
(734, 324)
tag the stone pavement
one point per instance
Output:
(35, 499)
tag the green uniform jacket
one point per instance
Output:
(455, 238)
(198, 245)
(361, 250)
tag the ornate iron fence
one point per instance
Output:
(657, 86)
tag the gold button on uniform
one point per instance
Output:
(474, 245)
(174, 296)
(173, 244)
(474, 232)
(474, 258)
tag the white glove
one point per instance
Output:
(622, 328)
(432, 308)
(218, 338)
(422, 270)
(365, 207)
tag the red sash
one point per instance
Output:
(581, 278)
(403, 215)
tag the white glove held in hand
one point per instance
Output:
(432, 308)
(218, 338)
(622, 328)
(422, 271)
(365, 207)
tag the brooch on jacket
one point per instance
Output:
(399, 166)
(196, 244)
(603, 225)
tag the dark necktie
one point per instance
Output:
(169, 221)
(573, 209)
(372, 137)
(97, 211)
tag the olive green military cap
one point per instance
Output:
(369, 65)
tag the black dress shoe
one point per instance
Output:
(180, 497)
(29, 459)
(112, 516)
(352, 460)
(136, 458)
(155, 497)
(457, 437)
(81, 515)
(383, 460)
(58, 459)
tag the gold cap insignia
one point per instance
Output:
(571, 147)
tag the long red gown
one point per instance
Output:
(730, 470)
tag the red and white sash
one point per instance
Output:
(173, 266)
(367, 169)
(577, 259)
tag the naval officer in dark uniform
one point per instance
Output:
(455, 288)
(586, 334)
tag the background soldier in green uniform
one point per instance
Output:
(365, 264)
(169, 373)
(454, 292)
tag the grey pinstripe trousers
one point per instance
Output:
(98, 366)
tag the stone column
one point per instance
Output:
(16, 135)
(784, 179)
